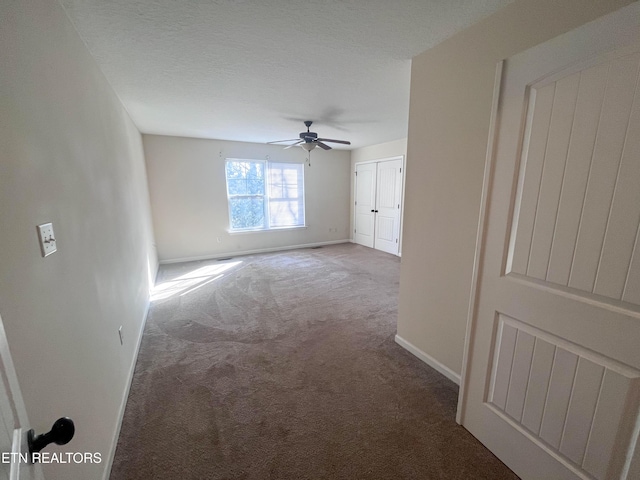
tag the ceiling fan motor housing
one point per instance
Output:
(308, 136)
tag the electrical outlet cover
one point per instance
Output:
(47, 239)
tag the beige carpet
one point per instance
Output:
(284, 366)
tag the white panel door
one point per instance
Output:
(365, 204)
(552, 382)
(14, 423)
(387, 211)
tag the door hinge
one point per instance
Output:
(356, 202)
(396, 240)
(356, 174)
(398, 205)
(401, 170)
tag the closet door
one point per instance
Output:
(387, 211)
(365, 204)
(378, 195)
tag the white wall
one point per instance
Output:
(189, 197)
(69, 154)
(450, 106)
(395, 148)
(378, 151)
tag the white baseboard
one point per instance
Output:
(125, 396)
(251, 252)
(429, 360)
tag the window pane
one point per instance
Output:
(286, 194)
(246, 212)
(255, 178)
(285, 213)
(237, 186)
(245, 178)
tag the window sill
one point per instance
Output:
(266, 230)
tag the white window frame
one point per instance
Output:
(267, 218)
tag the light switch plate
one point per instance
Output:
(47, 239)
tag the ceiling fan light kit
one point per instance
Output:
(309, 140)
(308, 146)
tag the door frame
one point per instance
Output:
(403, 176)
(479, 249)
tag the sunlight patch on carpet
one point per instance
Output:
(191, 281)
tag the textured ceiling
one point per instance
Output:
(253, 70)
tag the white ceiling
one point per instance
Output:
(253, 70)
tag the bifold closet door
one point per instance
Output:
(378, 205)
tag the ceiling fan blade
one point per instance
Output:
(294, 144)
(281, 141)
(344, 142)
(323, 145)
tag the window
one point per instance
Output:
(265, 195)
